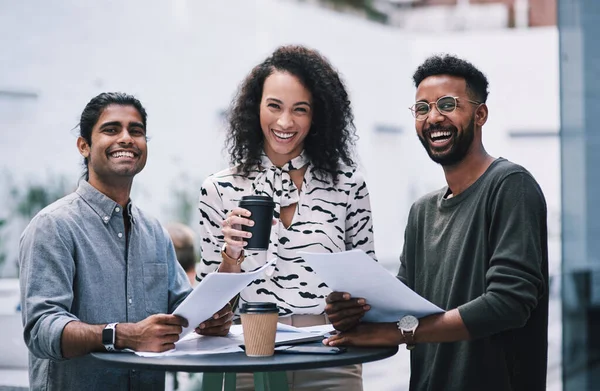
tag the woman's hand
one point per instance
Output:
(232, 231)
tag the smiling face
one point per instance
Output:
(118, 150)
(447, 138)
(285, 116)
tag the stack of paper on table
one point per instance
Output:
(358, 274)
(290, 335)
(194, 344)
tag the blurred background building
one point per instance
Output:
(579, 25)
(450, 15)
(184, 59)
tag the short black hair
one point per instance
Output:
(93, 110)
(477, 83)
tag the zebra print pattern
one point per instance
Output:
(328, 218)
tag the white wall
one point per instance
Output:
(184, 60)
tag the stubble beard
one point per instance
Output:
(459, 148)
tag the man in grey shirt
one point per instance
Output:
(477, 248)
(96, 272)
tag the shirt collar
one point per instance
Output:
(104, 207)
(294, 164)
(276, 181)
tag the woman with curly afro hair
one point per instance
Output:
(291, 136)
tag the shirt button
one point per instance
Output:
(117, 209)
(106, 218)
(130, 301)
(120, 235)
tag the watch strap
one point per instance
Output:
(409, 337)
(229, 260)
(408, 334)
(111, 328)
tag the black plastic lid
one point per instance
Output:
(259, 308)
(257, 200)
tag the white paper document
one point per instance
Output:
(194, 344)
(358, 274)
(289, 335)
(215, 290)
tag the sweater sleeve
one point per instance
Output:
(515, 278)
(408, 237)
(359, 219)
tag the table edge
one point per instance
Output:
(153, 363)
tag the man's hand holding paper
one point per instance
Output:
(386, 297)
(208, 303)
(219, 324)
(344, 312)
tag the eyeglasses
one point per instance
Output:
(445, 105)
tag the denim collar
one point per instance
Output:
(104, 207)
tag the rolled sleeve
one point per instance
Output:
(45, 251)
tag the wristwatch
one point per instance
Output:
(109, 336)
(231, 261)
(408, 325)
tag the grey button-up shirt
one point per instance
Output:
(75, 264)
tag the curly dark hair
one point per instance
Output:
(332, 135)
(477, 83)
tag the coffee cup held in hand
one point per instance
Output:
(261, 209)
(259, 322)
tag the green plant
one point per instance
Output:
(21, 203)
(183, 203)
(2, 250)
(34, 197)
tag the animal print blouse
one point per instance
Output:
(328, 218)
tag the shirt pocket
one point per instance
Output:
(155, 287)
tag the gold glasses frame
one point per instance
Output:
(423, 117)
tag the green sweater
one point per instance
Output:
(484, 252)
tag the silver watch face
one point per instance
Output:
(408, 322)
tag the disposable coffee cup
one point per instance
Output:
(261, 208)
(259, 322)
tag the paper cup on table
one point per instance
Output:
(259, 322)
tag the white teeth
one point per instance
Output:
(283, 135)
(122, 154)
(440, 134)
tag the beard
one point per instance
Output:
(461, 142)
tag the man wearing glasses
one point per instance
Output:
(476, 248)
